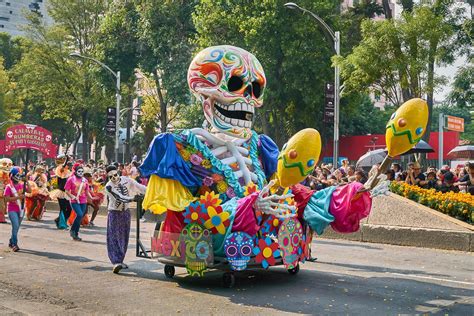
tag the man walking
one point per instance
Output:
(120, 192)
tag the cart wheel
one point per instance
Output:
(169, 271)
(295, 270)
(229, 279)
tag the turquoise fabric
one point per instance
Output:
(316, 212)
(218, 239)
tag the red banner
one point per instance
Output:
(32, 137)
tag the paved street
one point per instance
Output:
(53, 274)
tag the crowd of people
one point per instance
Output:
(78, 187)
(446, 179)
(326, 175)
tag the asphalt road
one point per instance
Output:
(53, 274)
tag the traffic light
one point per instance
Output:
(329, 103)
(111, 119)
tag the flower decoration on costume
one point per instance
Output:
(266, 252)
(207, 181)
(270, 226)
(230, 192)
(185, 154)
(251, 188)
(195, 213)
(195, 159)
(222, 187)
(210, 199)
(206, 164)
(217, 178)
(218, 220)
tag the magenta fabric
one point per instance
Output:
(73, 184)
(347, 210)
(13, 206)
(245, 220)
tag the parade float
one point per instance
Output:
(230, 199)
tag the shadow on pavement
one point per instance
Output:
(315, 292)
(381, 269)
(318, 241)
(56, 256)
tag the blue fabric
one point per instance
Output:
(80, 210)
(218, 239)
(269, 153)
(316, 212)
(164, 161)
(15, 220)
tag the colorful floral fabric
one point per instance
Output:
(266, 252)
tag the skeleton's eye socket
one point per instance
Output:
(235, 83)
(257, 89)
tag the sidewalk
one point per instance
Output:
(398, 221)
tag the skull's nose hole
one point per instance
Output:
(235, 83)
(248, 91)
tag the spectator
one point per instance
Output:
(466, 182)
(430, 182)
(360, 176)
(447, 185)
(390, 174)
(415, 176)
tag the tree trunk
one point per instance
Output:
(85, 136)
(430, 88)
(163, 105)
(76, 140)
(387, 10)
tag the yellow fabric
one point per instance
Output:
(165, 194)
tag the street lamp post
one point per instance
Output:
(117, 96)
(335, 36)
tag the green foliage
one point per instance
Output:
(291, 47)
(10, 50)
(462, 93)
(11, 103)
(455, 111)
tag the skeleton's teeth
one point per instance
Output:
(238, 106)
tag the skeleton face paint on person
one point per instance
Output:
(114, 176)
(16, 178)
(79, 172)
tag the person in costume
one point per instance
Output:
(77, 188)
(5, 166)
(14, 195)
(227, 181)
(36, 200)
(97, 195)
(121, 190)
(62, 173)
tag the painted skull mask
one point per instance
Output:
(238, 249)
(289, 239)
(5, 165)
(197, 244)
(230, 83)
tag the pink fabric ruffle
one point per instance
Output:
(245, 220)
(348, 209)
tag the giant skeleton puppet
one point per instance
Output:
(231, 184)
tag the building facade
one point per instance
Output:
(12, 14)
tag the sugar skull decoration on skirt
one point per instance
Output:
(238, 248)
(289, 238)
(198, 248)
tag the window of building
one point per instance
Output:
(2, 18)
(2, 26)
(7, 4)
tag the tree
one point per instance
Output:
(398, 57)
(11, 103)
(63, 88)
(10, 49)
(293, 50)
(462, 93)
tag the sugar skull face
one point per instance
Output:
(230, 83)
(289, 238)
(5, 165)
(197, 248)
(238, 248)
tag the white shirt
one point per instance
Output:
(121, 194)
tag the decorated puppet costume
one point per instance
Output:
(120, 191)
(227, 191)
(5, 166)
(36, 200)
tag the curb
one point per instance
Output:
(409, 236)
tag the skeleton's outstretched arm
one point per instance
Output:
(270, 204)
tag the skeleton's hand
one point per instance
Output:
(270, 204)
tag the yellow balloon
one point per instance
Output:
(406, 127)
(298, 157)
